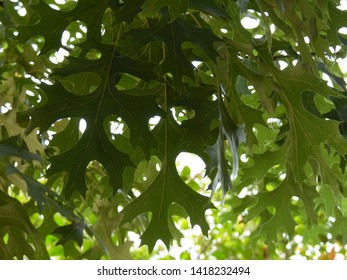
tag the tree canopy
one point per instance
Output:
(99, 99)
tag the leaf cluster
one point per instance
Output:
(100, 98)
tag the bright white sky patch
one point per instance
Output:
(343, 5)
(195, 163)
(196, 63)
(343, 30)
(249, 23)
(82, 125)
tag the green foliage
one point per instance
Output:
(100, 98)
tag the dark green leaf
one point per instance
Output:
(11, 148)
(209, 7)
(177, 7)
(167, 188)
(73, 232)
(174, 34)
